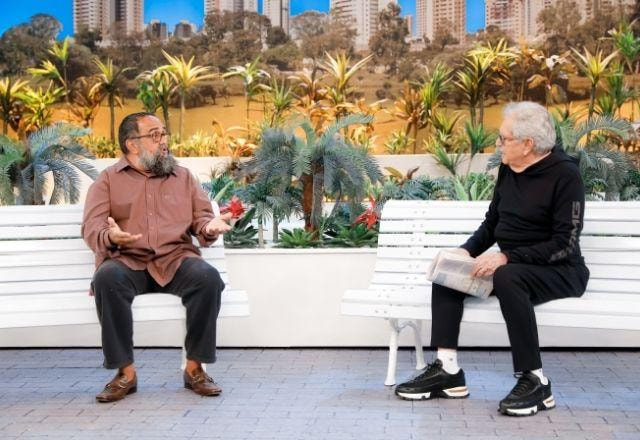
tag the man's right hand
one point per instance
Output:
(119, 237)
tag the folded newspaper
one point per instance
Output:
(453, 270)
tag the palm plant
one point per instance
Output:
(259, 196)
(478, 138)
(281, 98)
(85, 99)
(473, 186)
(551, 69)
(398, 143)
(251, 75)
(617, 92)
(472, 81)
(526, 64)
(320, 163)
(53, 149)
(340, 71)
(185, 76)
(110, 79)
(595, 143)
(155, 90)
(61, 54)
(310, 93)
(408, 108)
(504, 58)
(49, 71)
(38, 106)
(595, 68)
(10, 106)
(628, 45)
(482, 65)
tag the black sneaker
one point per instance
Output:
(434, 382)
(527, 397)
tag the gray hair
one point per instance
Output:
(532, 121)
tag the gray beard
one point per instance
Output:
(157, 163)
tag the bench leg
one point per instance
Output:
(393, 353)
(417, 333)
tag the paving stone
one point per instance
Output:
(315, 394)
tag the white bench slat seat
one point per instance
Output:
(46, 269)
(413, 232)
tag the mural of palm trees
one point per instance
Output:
(110, 79)
(408, 108)
(482, 65)
(340, 71)
(595, 68)
(185, 77)
(550, 70)
(86, 99)
(38, 106)
(61, 54)
(10, 102)
(281, 97)
(50, 71)
(251, 75)
(156, 90)
(628, 46)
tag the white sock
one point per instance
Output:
(538, 373)
(449, 359)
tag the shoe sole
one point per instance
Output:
(131, 391)
(449, 393)
(189, 387)
(548, 403)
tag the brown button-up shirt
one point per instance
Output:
(166, 210)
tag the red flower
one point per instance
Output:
(369, 217)
(234, 207)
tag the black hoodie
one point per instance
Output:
(536, 215)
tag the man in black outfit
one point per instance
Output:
(535, 216)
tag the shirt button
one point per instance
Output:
(151, 213)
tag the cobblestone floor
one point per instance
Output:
(309, 394)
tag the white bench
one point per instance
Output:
(412, 233)
(46, 269)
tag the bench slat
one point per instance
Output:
(76, 308)
(454, 240)
(84, 256)
(424, 253)
(630, 228)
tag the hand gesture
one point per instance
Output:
(119, 237)
(218, 225)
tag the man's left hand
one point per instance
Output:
(487, 264)
(218, 225)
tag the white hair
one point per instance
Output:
(532, 121)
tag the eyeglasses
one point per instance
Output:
(155, 136)
(502, 139)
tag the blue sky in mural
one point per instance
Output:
(172, 11)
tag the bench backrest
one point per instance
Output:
(413, 232)
(41, 251)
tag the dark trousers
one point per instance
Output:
(518, 287)
(196, 282)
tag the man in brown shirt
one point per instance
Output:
(139, 217)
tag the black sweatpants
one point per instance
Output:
(196, 282)
(518, 287)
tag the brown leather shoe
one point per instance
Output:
(201, 383)
(118, 388)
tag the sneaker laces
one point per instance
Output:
(522, 386)
(431, 368)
